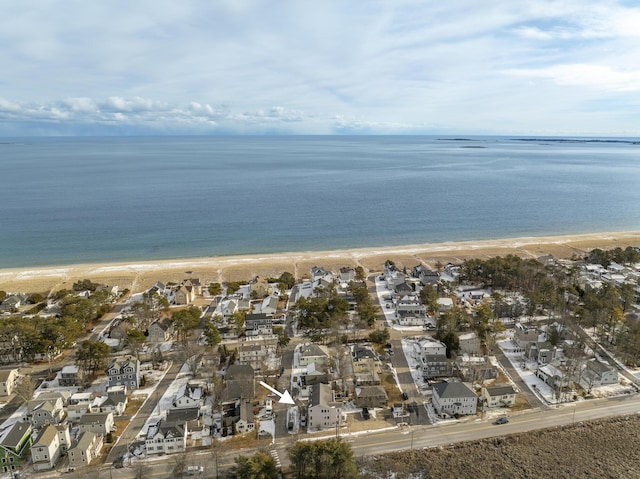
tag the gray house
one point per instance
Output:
(124, 371)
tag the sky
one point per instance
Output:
(168, 67)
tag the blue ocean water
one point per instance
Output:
(77, 200)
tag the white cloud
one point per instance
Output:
(593, 76)
(319, 67)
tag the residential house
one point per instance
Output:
(542, 352)
(160, 331)
(454, 399)
(189, 396)
(184, 295)
(430, 347)
(97, 423)
(195, 284)
(85, 449)
(499, 396)
(597, 373)
(525, 336)
(246, 420)
(45, 450)
(124, 371)
(314, 374)
(347, 274)
(444, 304)
(71, 375)
(322, 413)
(115, 402)
(269, 305)
(189, 416)
(166, 438)
(228, 307)
(258, 325)
(313, 353)
(11, 304)
(435, 366)
(239, 384)
(371, 397)
(8, 380)
(45, 411)
(64, 436)
(425, 275)
(552, 376)
(403, 289)
(76, 411)
(14, 445)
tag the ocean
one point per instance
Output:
(79, 200)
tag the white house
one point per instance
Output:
(97, 422)
(189, 396)
(454, 399)
(8, 378)
(429, 347)
(597, 373)
(46, 451)
(499, 396)
(166, 438)
(322, 415)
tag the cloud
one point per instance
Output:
(318, 67)
(599, 77)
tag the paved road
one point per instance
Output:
(417, 437)
(525, 392)
(134, 427)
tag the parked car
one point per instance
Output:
(405, 396)
(191, 470)
(501, 420)
(365, 413)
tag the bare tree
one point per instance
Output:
(25, 388)
(192, 353)
(140, 470)
(180, 461)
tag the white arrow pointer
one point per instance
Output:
(285, 397)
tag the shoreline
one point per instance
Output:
(139, 275)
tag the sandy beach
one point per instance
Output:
(138, 276)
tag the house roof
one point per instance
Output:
(85, 440)
(163, 323)
(370, 391)
(312, 350)
(46, 436)
(123, 362)
(4, 374)
(246, 411)
(166, 429)
(94, 417)
(180, 416)
(13, 438)
(320, 395)
(599, 366)
(237, 372)
(500, 390)
(453, 390)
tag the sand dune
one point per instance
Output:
(138, 276)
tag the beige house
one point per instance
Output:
(8, 379)
(499, 396)
(371, 396)
(46, 451)
(85, 449)
(160, 331)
